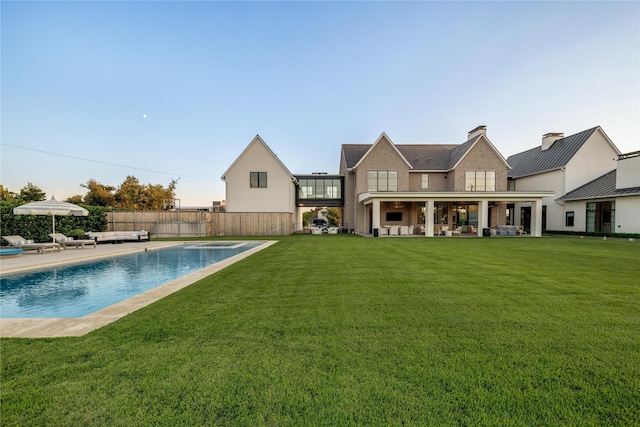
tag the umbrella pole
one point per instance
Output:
(53, 238)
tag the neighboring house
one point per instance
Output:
(430, 187)
(560, 164)
(609, 203)
(259, 182)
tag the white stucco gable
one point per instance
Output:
(275, 191)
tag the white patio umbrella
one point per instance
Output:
(51, 207)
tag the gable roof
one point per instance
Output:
(602, 187)
(256, 140)
(557, 156)
(421, 157)
(383, 137)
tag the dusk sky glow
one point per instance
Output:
(168, 90)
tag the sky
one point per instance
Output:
(176, 90)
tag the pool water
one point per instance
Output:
(80, 289)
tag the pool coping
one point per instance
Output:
(78, 326)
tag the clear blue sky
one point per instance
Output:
(168, 90)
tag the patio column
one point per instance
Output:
(536, 218)
(375, 214)
(428, 218)
(483, 216)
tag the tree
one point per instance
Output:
(155, 194)
(31, 193)
(75, 199)
(129, 194)
(333, 216)
(6, 195)
(98, 194)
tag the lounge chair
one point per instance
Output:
(458, 231)
(520, 231)
(70, 241)
(443, 230)
(22, 243)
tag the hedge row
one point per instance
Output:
(595, 234)
(38, 227)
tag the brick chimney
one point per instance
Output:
(549, 138)
(480, 130)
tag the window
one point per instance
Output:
(601, 216)
(425, 180)
(382, 181)
(258, 179)
(480, 181)
(569, 219)
(441, 214)
(319, 188)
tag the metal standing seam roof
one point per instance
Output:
(536, 160)
(603, 186)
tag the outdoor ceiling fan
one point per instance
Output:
(397, 206)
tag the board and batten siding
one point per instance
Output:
(201, 224)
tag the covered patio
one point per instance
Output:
(451, 213)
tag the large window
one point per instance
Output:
(319, 188)
(258, 179)
(382, 181)
(425, 181)
(480, 181)
(441, 213)
(601, 216)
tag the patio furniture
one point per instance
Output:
(384, 231)
(22, 243)
(473, 230)
(316, 230)
(404, 230)
(70, 241)
(457, 230)
(411, 230)
(333, 230)
(443, 230)
(520, 231)
(506, 230)
(119, 236)
(394, 230)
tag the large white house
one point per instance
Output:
(579, 183)
(609, 203)
(560, 164)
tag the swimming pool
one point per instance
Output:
(80, 289)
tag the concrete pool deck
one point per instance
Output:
(77, 326)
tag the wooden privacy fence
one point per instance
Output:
(201, 224)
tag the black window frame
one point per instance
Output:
(569, 220)
(258, 179)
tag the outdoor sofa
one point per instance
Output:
(119, 236)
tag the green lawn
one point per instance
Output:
(344, 330)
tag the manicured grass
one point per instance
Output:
(343, 330)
